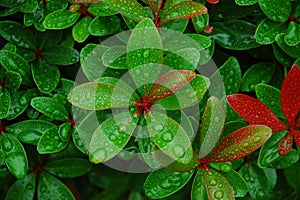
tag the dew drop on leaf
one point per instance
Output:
(218, 194)
(213, 182)
(257, 139)
(167, 137)
(178, 151)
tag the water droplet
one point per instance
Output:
(213, 182)
(165, 184)
(218, 194)
(112, 137)
(167, 137)
(225, 167)
(158, 127)
(257, 139)
(245, 144)
(123, 128)
(146, 54)
(178, 150)
(7, 144)
(29, 186)
(43, 188)
(99, 155)
(216, 119)
(260, 194)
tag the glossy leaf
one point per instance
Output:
(162, 183)
(115, 57)
(60, 19)
(60, 55)
(50, 107)
(101, 26)
(4, 102)
(187, 96)
(290, 93)
(56, 5)
(198, 188)
(274, 11)
(292, 51)
(98, 9)
(200, 22)
(51, 187)
(78, 142)
(99, 96)
(212, 125)
(13, 62)
(257, 180)
(178, 25)
(287, 160)
(292, 175)
(19, 103)
(111, 137)
(129, 8)
(45, 76)
(281, 56)
(270, 96)
(240, 143)
(25, 189)
(292, 37)
(267, 31)
(236, 181)
(255, 112)
(68, 167)
(80, 31)
(17, 34)
(258, 73)
(169, 136)
(183, 10)
(15, 156)
(29, 6)
(269, 151)
(245, 2)
(234, 34)
(217, 186)
(12, 80)
(169, 83)
(50, 142)
(141, 51)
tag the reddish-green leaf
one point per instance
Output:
(290, 95)
(155, 5)
(169, 83)
(285, 144)
(217, 187)
(255, 112)
(296, 135)
(240, 143)
(186, 9)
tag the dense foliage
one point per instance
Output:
(149, 99)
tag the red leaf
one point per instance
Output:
(255, 112)
(296, 135)
(169, 83)
(240, 143)
(290, 95)
(212, 1)
(285, 144)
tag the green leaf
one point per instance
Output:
(258, 73)
(45, 76)
(78, 142)
(11, 3)
(292, 176)
(60, 19)
(212, 125)
(187, 96)
(178, 25)
(99, 96)
(50, 142)
(4, 102)
(29, 6)
(17, 34)
(257, 180)
(267, 31)
(238, 184)
(135, 196)
(129, 8)
(51, 187)
(111, 137)
(245, 2)
(60, 55)
(100, 10)
(169, 136)
(19, 103)
(101, 26)
(29, 131)
(292, 36)
(200, 22)
(56, 5)
(13, 62)
(69, 167)
(141, 51)
(80, 31)
(234, 34)
(286, 161)
(15, 156)
(115, 57)
(278, 12)
(269, 151)
(65, 86)
(185, 9)
(198, 188)
(217, 186)
(50, 107)
(22, 189)
(292, 51)
(240, 143)
(270, 96)
(281, 56)
(12, 80)
(162, 183)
